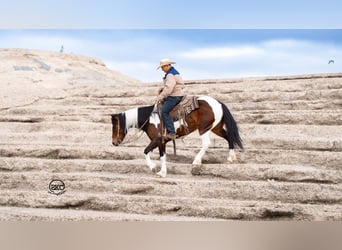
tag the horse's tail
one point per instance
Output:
(232, 128)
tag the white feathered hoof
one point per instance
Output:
(231, 156)
(161, 174)
(152, 165)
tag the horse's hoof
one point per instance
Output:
(231, 156)
(196, 170)
(231, 159)
(161, 174)
(152, 166)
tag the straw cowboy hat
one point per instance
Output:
(164, 62)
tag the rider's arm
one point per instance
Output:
(169, 85)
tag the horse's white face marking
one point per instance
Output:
(132, 118)
(154, 119)
(215, 106)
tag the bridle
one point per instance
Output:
(134, 138)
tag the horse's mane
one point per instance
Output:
(144, 113)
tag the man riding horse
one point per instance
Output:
(170, 94)
(211, 115)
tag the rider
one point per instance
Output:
(170, 94)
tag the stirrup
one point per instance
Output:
(171, 137)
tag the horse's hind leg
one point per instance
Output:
(231, 156)
(220, 131)
(205, 145)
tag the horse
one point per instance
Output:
(211, 116)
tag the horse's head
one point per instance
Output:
(118, 128)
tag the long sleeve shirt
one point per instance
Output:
(173, 84)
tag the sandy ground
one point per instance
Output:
(55, 124)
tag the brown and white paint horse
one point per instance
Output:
(211, 115)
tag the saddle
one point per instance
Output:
(184, 107)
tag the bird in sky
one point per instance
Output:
(331, 61)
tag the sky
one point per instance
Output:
(130, 14)
(213, 39)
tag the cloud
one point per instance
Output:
(272, 57)
(142, 70)
(222, 52)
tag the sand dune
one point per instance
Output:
(27, 75)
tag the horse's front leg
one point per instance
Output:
(162, 153)
(153, 144)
